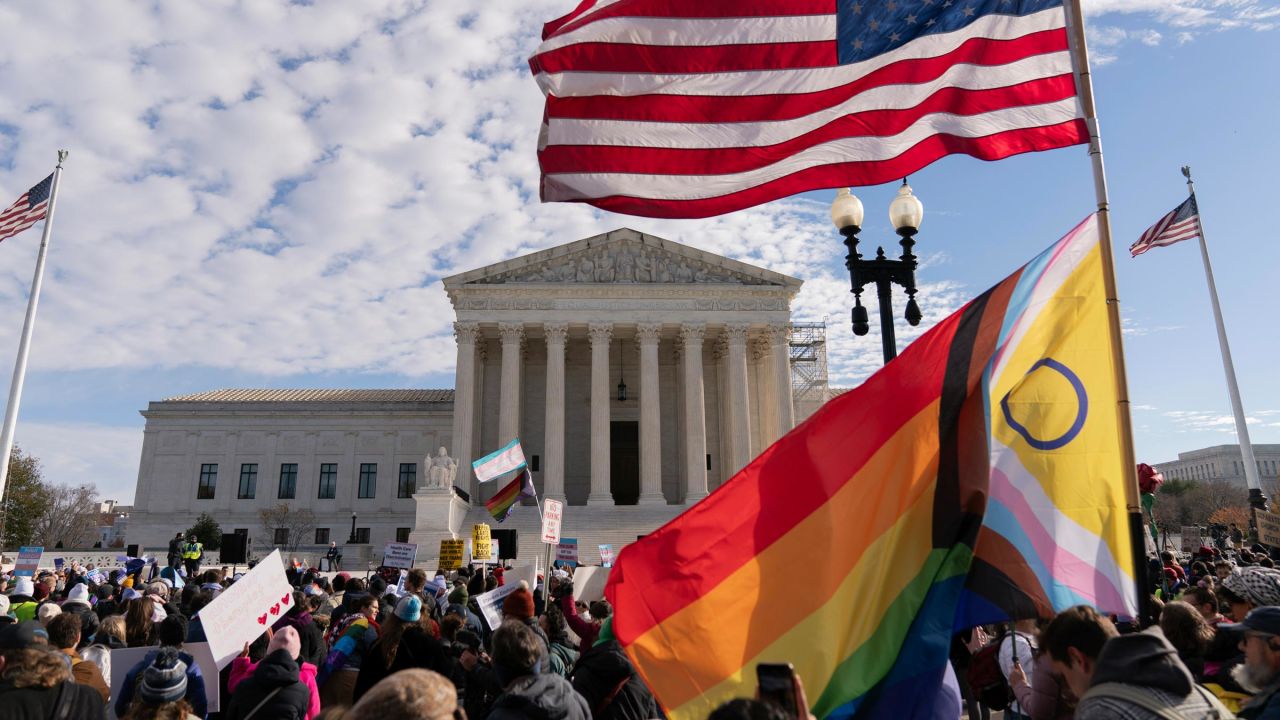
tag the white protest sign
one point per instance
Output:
(552, 514)
(123, 660)
(245, 610)
(527, 573)
(491, 604)
(589, 582)
(399, 555)
(606, 555)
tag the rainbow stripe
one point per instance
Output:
(975, 478)
(521, 486)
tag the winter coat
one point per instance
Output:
(417, 649)
(309, 634)
(562, 659)
(350, 642)
(39, 703)
(296, 699)
(1145, 662)
(540, 697)
(1265, 705)
(87, 673)
(195, 684)
(587, 631)
(477, 688)
(604, 670)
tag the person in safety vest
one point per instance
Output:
(192, 551)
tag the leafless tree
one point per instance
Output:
(69, 516)
(300, 524)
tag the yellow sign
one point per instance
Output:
(451, 554)
(1269, 528)
(481, 547)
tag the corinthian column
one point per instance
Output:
(695, 414)
(739, 407)
(464, 385)
(553, 470)
(509, 398)
(650, 425)
(780, 337)
(600, 492)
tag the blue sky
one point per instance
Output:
(266, 195)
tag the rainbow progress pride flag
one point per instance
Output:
(976, 477)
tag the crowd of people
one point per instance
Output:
(360, 648)
(348, 647)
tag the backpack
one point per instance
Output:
(986, 679)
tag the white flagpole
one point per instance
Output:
(24, 345)
(1256, 497)
(1084, 87)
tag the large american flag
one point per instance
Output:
(27, 211)
(682, 108)
(1181, 224)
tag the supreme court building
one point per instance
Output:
(637, 372)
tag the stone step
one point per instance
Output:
(617, 525)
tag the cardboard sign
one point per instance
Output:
(491, 604)
(451, 554)
(527, 572)
(123, 660)
(606, 555)
(1191, 541)
(399, 555)
(588, 584)
(1269, 528)
(246, 609)
(567, 550)
(28, 561)
(482, 544)
(552, 514)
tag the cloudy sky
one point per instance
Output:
(266, 194)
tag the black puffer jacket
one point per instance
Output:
(277, 670)
(605, 670)
(79, 701)
(540, 697)
(417, 649)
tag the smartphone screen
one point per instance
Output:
(777, 686)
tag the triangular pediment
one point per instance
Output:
(623, 256)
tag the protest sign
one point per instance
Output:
(451, 554)
(245, 610)
(606, 555)
(1190, 538)
(525, 572)
(1269, 528)
(28, 561)
(491, 604)
(567, 550)
(481, 542)
(588, 584)
(123, 660)
(399, 555)
(58, 563)
(552, 514)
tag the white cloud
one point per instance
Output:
(76, 453)
(1207, 420)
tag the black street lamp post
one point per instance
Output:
(351, 540)
(905, 212)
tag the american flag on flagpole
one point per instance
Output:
(690, 109)
(27, 211)
(1181, 224)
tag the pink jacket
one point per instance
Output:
(243, 667)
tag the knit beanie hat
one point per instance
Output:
(409, 608)
(519, 604)
(458, 596)
(287, 639)
(78, 594)
(165, 679)
(40, 591)
(24, 586)
(413, 693)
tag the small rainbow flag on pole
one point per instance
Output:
(976, 478)
(521, 486)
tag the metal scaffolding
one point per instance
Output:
(809, 363)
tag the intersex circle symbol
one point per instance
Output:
(1082, 409)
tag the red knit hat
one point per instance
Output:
(518, 605)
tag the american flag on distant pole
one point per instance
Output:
(692, 109)
(27, 211)
(1181, 224)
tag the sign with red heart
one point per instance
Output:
(245, 610)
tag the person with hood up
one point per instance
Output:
(22, 603)
(404, 642)
(276, 687)
(528, 692)
(605, 677)
(1138, 676)
(1248, 588)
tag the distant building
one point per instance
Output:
(1223, 462)
(113, 523)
